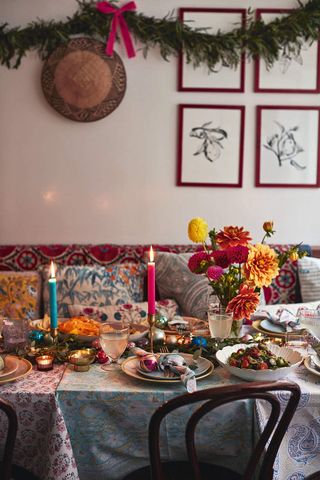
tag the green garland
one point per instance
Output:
(169, 34)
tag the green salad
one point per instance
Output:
(257, 358)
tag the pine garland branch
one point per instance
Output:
(255, 39)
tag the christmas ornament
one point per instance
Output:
(148, 363)
(36, 336)
(142, 342)
(158, 335)
(96, 344)
(171, 339)
(161, 321)
(199, 342)
(246, 338)
(102, 357)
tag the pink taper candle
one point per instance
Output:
(151, 285)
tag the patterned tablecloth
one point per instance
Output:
(107, 416)
(299, 454)
(43, 444)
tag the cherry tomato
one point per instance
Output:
(245, 363)
(263, 366)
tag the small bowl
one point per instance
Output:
(81, 359)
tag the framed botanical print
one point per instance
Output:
(223, 78)
(287, 150)
(210, 145)
(296, 71)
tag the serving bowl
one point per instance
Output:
(292, 356)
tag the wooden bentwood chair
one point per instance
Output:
(274, 431)
(8, 471)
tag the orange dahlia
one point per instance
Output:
(261, 266)
(244, 304)
(232, 237)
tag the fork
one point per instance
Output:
(164, 350)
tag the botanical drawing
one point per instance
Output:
(212, 139)
(288, 55)
(285, 146)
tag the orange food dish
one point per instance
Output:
(80, 326)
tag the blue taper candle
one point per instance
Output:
(53, 298)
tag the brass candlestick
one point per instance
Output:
(53, 332)
(151, 321)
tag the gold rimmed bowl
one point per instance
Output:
(82, 359)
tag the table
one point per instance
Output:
(43, 444)
(107, 414)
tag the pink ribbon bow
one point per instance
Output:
(118, 20)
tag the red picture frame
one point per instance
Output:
(257, 63)
(292, 154)
(241, 88)
(221, 146)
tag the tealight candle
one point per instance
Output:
(44, 362)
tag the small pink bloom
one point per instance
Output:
(214, 273)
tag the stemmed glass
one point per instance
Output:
(113, 338)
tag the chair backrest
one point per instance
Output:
(9, 410)
(274, 430)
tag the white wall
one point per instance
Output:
(114, 180)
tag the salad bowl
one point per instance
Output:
(288, 354)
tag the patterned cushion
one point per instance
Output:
(95, 286)
(20, 294)
(309, 276)
(174, 280)
(133, 313)
(285, 287)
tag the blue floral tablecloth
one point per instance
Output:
(107, 416)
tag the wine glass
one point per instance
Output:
(113, 338)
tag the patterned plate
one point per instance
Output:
(24, 368)
(203, 366)
(129, 367)
(309, 364)
(10, 366)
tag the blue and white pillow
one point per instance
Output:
(95, 286)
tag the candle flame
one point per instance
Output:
(151, 254)
(52, 270)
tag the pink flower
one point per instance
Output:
(238, 254)
(214, 273)
(198, 263)
(221, 258)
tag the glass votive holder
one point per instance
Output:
(44, 362)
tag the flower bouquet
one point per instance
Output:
(236, 269)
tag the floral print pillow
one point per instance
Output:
(132, 313)
(20, 294)
(95, 285)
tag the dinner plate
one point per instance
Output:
(129, 367)
(271, 327)
(316, 361)
(24, 368)
(203, 367)
(309, 364)
(195, 325)
(10, 366)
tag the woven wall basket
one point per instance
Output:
(81, 82)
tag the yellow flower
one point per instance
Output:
(294, 256)
(198, 230)
(261, 266)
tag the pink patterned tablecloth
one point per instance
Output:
(43, 444)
